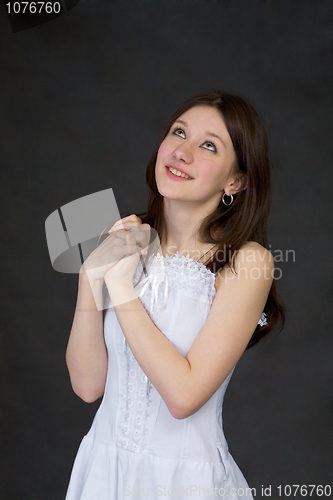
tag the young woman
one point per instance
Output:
(191, 288)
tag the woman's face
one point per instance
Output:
(199, 145)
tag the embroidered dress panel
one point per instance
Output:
(131, 422)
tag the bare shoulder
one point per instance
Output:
(252, 260)
(252, 251)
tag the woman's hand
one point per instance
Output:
(124, 239)
(132, 239)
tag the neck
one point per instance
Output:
(182, 221)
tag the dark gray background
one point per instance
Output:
(83, 100)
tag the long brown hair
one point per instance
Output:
(246, 219)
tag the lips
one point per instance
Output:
(176, 178)
(171, 165)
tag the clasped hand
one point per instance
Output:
(116, 259)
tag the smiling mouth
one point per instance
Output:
(177, 173)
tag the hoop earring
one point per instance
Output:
(231, 200)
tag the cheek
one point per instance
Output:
(162, 155)
(163, 152)
(213, 173)
(208, 169)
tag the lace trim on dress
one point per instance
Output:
(131, 426)
(263, 319)
(167, 272)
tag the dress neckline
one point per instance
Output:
(186, 260)
(207, 278)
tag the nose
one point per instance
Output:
(184, 152)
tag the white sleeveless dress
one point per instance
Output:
(135, 447)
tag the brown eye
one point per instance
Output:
(213, 146)
(177, 129)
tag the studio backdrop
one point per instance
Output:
(84, 95)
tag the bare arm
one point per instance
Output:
(186, 384)
(86, 354)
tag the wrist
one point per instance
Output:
(91, 289)
(85, 278)
(121, 291)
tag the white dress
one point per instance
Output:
(135, 447)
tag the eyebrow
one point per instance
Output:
(207, 133)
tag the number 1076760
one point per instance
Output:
(33, 7)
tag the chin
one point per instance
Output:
(164, 188)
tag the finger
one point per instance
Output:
(130, 241)
(127, 239)
(144, 251)
(117, 226)
(134, 228)
(129, 219)
(141, 228)
(132, 217)
(142, 239)
(125, 235)
(126, 252)
(129, 225)
(142, 234)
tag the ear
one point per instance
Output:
(238, 184)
